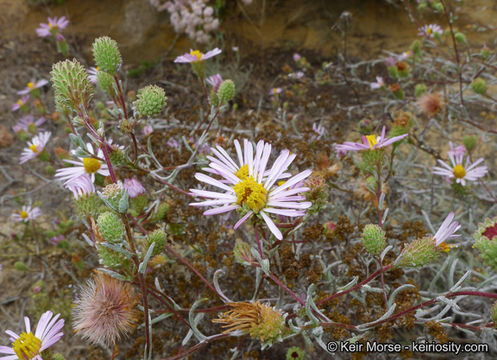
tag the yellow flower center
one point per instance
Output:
(33, 148)
(20, 102)
(275, 90)
(252, 193)
(27, 346)
(429, 30)
(243, 173)
(445, 247)
(31, 85)
(372, 141)
(196, 53)
(24, 214)
(91, 165)
(459, 171)
(98, 68)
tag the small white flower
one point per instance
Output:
(35, 146)
(460, 170)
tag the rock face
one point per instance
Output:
(6, 138)
(12, 12)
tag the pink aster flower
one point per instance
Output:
(251, 188)
(92, 74)
(27, 213)
(32, 86)
(196, 56)
(460, 170)
(215, 81)
(456, 150)
(275, 91)
(28, 346)
(20, 103)
(296, 57)
(378, 84)
(318, 129)
(390, 61)
(28, 124)
(405, 55)
(54, 25)
(147, 130)
(134, 187)
(35, 146)
(80, 185)
(430, 30)
(84, 165)
(370, 142)
(446, 231)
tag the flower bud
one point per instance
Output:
(107, 55)
(112, 193)
(226, 91)
(419, 253)
(20, 266)
(106, 83)
(88, 204)
(479, 86)
(111, 258)
(161, 211)
(214, 99)
(416, 47)
(419, 89)
(486, 241)
(373, 239)
(151, 101)
(157, 237)
(460, 38)
(469, 142)
(295, 353)
(72, 86)
(110, 226)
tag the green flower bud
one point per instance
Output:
(158, 237)
(106, 83)
(20, 266)
(161, 211)
(72, 86)
(295, 353)
(226, 91)
(469, 142)
(110, 226)
(416, 47)
(33, 129)
(111, 258)
(139, 203)
(107, 55)
(419, 89)
(151, 101)
(486, 241)
(88, 204)
(485, 52)
(479, 86)
(419, 253)
(214, 99)
(49, 169)
(392, 71)
(113, 194)
(117, 157)
(373, 239)
(437, 6)
(460, 38)
(58, 357)
(126, 126)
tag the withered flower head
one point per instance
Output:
(401, 65)
(105, 310)
(259, 320)
(430, 104)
